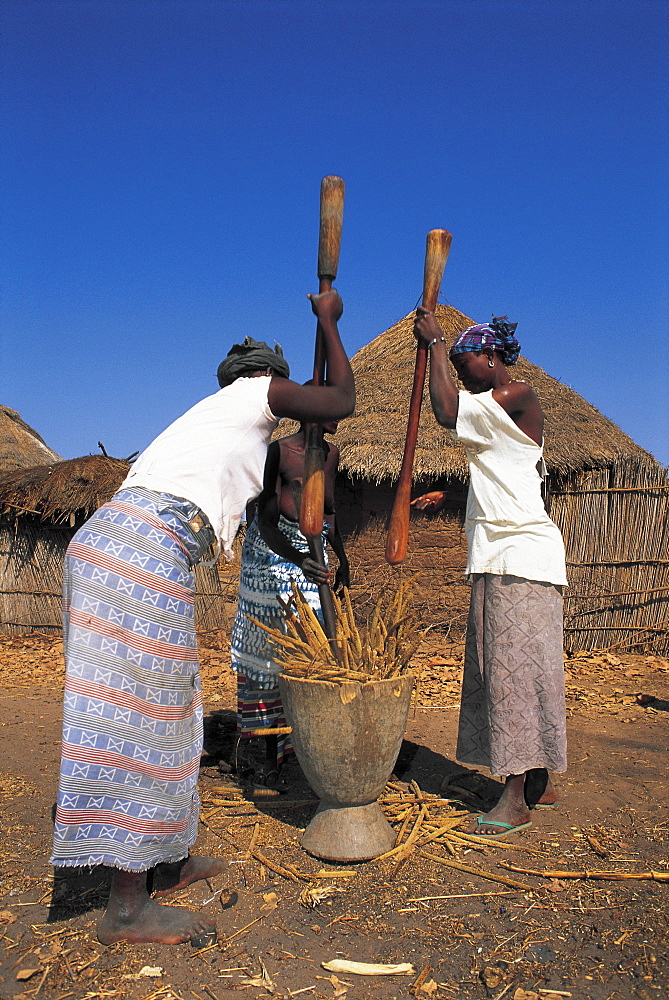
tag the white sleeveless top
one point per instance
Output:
(508, 529)
(214, 455)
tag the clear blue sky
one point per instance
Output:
(161, 163)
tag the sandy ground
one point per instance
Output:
(465, 934)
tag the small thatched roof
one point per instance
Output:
(20, 446)
(63, 491)
(371, 441)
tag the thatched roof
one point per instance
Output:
(20, 446)
(371, 441)
(63, 491)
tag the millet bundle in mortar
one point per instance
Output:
(382, 650)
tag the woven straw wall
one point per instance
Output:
(31, 575)
(615, 523)
(31, 567)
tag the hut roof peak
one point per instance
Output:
(20, 444)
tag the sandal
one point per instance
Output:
(506, 829)
(268, 783)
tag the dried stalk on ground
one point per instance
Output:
(605, 876)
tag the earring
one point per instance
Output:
(491, 363)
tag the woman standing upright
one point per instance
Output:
(512, 716)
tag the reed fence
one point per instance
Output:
(615, 524)
(31, 574)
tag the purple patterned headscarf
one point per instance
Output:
(497, 335)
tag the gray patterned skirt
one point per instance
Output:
(512, 712)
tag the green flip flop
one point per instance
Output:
(506, 832)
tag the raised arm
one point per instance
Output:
(343, 574)
(319, 404)
(443, 390)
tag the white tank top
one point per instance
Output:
(214, 455)
(508, 529)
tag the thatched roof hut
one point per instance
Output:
(40, 509)
(62, 493)
(609, 497)
(20, 445)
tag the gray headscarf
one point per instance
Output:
(249, 357)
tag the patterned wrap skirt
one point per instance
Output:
(512, 712)
(264, 575)
(132, 715)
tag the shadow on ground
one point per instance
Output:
(78, 890)
(439, 775)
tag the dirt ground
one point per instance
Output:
(282, 913)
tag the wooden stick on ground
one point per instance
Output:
(603, 876)
(478, 871)
(277, 869)
(254, 840)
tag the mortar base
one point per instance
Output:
(348, 833)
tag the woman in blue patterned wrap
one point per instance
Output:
(275, 554)
(132, 717)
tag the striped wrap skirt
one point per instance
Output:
(132, 714)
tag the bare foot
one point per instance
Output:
(549, 797)
(539, 789)
(191, 869)
(510, 812)
(133, 916)
(153, 922)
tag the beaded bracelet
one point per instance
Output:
(437, 340)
